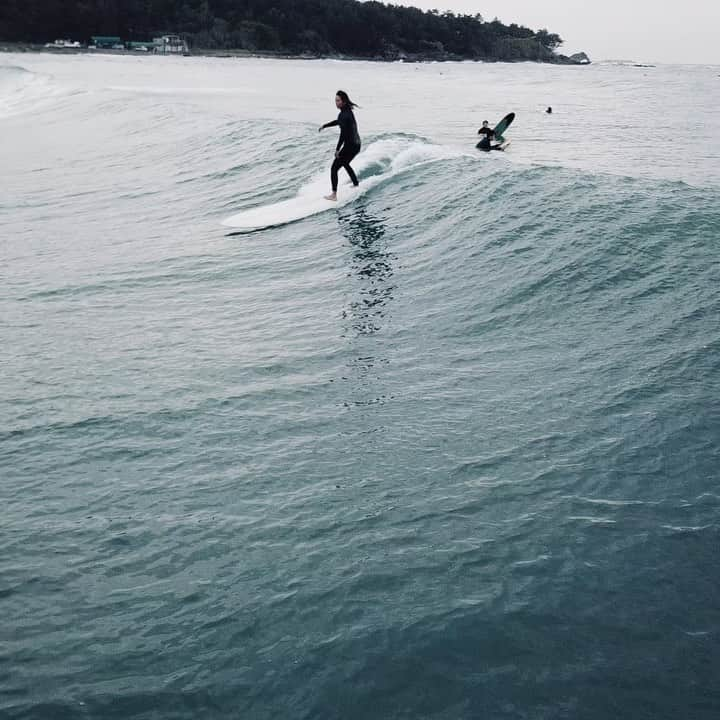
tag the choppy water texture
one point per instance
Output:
(449, 452)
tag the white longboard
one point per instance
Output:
(287, 211)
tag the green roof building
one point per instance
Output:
(105, 41)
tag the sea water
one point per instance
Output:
(449, 451)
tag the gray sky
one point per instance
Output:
(684, 31)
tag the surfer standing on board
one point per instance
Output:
(348, 144)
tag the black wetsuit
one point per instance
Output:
(347, 148)
(484, 144)
(489, 134)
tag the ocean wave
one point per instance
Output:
(383, 160)
(22, 90)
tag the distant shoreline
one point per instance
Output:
(12, 47)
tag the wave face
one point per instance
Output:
(448, 451)
(20, 90)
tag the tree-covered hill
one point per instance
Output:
(318, 27)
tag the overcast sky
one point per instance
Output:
(684, 31)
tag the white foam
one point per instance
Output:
(23, 91)
(391, 156)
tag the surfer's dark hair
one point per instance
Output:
(346, 101)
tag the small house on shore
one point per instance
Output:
(107, 42)
(170, 45)
(63, 45)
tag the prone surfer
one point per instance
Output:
(348, 144)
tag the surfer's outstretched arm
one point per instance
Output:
(332, 123)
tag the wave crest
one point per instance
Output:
(22, 90)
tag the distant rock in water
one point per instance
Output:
(580, 58)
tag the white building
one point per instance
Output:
(170, 45)
(63, 44)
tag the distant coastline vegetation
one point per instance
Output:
(318, 28)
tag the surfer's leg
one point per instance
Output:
(351, 173)
(346, 157)
(342, 160)
(337, 164)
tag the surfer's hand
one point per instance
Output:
(321, 128)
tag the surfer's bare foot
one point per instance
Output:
(331, 196)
